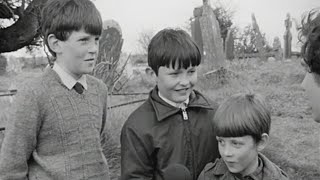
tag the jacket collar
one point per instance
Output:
(164, 110)
(270, 170)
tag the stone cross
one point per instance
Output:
(206, 33)
(259, 38)
(287, 37)
(276, 47)
(110, 45)
(229, 45)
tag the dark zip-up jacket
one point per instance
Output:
(156, 135)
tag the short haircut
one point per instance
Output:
(172, 46)
(62, 17)
(310, 35)
(242, 115)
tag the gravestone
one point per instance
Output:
(110, 45)
(276, 47)
(229, 46)
(287, 37)
(14, 65)
(259, 39)
(206, 33)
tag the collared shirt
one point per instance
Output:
(67, 79)
(178, 105)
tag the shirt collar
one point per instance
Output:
(177, 105)
(257, 174)
(67, 79)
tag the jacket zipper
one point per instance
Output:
(184, 114)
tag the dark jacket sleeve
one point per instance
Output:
(136, 162)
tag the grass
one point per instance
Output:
(295, 137)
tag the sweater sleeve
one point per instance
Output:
(20, 136)
(105, 126)
(136, 162)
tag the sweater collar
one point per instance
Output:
(164, 110)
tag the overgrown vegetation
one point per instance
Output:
(294, 144)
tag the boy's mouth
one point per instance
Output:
(89, 59)
(182, 90)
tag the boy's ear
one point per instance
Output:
(263, 142)
(53, 43)
(152, 77)
(150, 72)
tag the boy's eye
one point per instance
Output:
(236, 144)
(174, 73)
(84, 39)
(220, 141)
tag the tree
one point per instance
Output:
(224, 17)
(144, 40)
(25, 30)
(246, 41)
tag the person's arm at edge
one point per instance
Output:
(20, 136)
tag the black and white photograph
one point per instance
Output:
(159, 89)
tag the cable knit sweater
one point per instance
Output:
(56, 133)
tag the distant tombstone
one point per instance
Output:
(229, 46)
(259, 39)
(276, 47)
(110, 45)
(287, 37)
(14, 65)
(196, 28)
(206, 33)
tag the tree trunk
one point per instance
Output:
(23, 31)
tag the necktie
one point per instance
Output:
(78, 87)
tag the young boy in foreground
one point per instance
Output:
(173, 126)
(242, 124)
(57, 124)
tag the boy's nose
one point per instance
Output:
(184, 80)
(227, 151)
(94, 48)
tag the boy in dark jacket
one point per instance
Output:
(173, 126)
(242, 125)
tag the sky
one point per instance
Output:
(137, 16)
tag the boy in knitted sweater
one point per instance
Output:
(57, 122)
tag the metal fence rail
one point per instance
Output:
(13, 92)
(8, 92)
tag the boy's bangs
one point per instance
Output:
(241, 119)
(87, 17)
(182, 55)
(231, 125)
